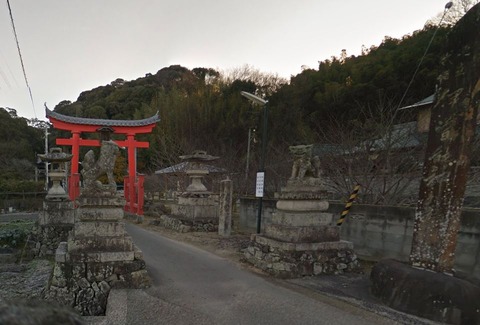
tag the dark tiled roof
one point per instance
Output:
(185, 165)
(402, 136)
(101, 122)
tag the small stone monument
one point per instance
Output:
(99, 254)
(225, 208)
(57, 217)
(302, 238)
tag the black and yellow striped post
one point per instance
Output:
(348, 205)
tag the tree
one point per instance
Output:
(18, 144)
(454, 14)
(375, 152)
(266, 83)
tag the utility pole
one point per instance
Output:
(260, 184)
(248, 153)
(46, 163)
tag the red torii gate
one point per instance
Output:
(133, 183)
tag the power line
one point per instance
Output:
(10, 73)
(5, 78)
(21, 59)
(447, 6)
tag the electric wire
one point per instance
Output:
(447, 6)
(10, 73)
(21, 58)
(5, 78)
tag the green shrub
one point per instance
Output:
(15, 233)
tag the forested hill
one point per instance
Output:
(20, 140)
(203, 109)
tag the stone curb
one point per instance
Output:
(116, 310)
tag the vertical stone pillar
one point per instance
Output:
(447, 158)
(225, 208)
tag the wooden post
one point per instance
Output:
(447, 160)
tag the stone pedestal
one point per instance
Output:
(99, 232)
(54, 223)
(192, 212)
(99, 255)
(302, 238)
(196, 206)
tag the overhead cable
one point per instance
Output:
(20, 56)
(447, 6)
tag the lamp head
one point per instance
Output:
(254, 98)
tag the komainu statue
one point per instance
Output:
(93, 169)
(304, 165)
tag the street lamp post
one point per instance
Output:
(261, 172)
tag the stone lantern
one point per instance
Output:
(196, 171)
(57, 159)
(196, 204)
(58, 215)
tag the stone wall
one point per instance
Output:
(48, 237)
(85, 286)
(180, 224)
(379, 232)
(291, 260)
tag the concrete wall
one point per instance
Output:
(248, 211)
(383, 231)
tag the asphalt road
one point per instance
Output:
(202, 288)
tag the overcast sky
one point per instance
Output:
(76, 45)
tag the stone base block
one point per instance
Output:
(436, 296)
(182, 224)
(196, 200)
(94, 243)
(102, 201)
(61, 253)
(195, 208)
(305, 234)
(195, 212)
(99, 228)
(102, 214)
(56, 213)
(85, 285)
(290, 260)
(101, 257)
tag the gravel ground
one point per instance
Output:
(24, 281)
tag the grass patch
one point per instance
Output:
(14, 234)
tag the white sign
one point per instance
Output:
(259, 187)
